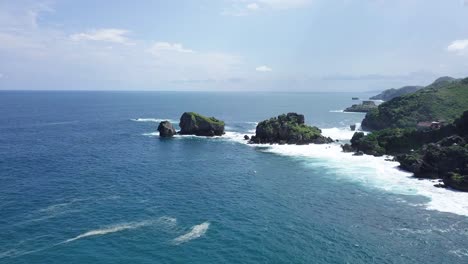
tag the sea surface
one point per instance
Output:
(84, 178)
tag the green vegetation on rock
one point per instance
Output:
(195, 124)
(389, 94)
(443, 100)
(438, 153)
(364, 107)
(287, 129)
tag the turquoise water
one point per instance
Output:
(84, 179)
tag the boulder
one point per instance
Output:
(166, 129)
(347, 148)
(195, 124)
(287, 129)
(358, 153)
(246, 137)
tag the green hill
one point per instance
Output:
(389, 94)
(445, 99)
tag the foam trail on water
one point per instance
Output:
(195, 232)
(125, 226)
(110, 229)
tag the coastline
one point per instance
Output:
(366, 170)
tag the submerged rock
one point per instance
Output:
(195, 124)
(166, 129)
(246, 137)
(287, 129)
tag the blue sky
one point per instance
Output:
(223, 45)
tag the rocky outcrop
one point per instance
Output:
(364, 107)
(166, 129)
(195, 124)
(288, 129)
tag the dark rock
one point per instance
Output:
(457, 181)
(196, 124)
(288, 129)
(352, 127)
(365, 107)
(410, 162)
(347, 148)
(246, 137)
(358, 153)
(440, 185)
(166, 129)
(452, 140)
(367, 144)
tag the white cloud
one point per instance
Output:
(246, 7)
(252, 6)
(458, 45)
(263, 68)
(160, 47)
(285, 4)
(107, 34)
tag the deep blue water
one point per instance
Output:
(82, 182)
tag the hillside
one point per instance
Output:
(389, 94)
(445, 99)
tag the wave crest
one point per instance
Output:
(195, 232)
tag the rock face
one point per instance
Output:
(287, 129)
(195, 124)
(365, 107)
(166, 129)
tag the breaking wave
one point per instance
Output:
(195, 232)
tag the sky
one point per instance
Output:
(231, 45)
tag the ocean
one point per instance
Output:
(85, 178)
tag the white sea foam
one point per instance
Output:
(344, 112)
(371, 171)
(339, 133)
(461, 253)
(155, 120)
(124, 226)
(195, 232)
(110, 229)
(376, 172)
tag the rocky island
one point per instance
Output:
(364, 107)
(287, 129)
(193, 124)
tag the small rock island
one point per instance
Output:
(193, 124)
(287, 129)
(166, 129)
(365, 107)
